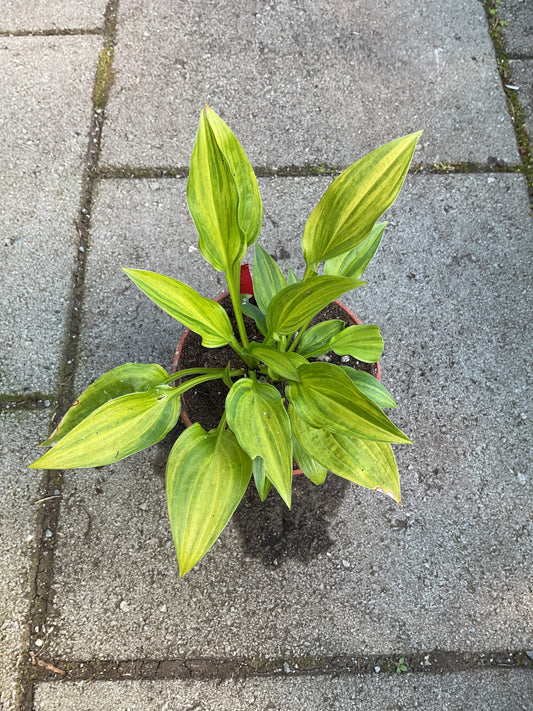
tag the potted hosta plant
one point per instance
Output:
(285, 403)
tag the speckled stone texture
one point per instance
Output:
(495, 690)
(41, 163)
(522, 72)
(518, 30)
(42, 15)
(306, 82)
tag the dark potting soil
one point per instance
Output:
(205, 403)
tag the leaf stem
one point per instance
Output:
(309, 272)
(234, 291)
(222, 424)
(298, 337)
(189, 371)
(216, 373)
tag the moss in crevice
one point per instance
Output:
(496, 26)
(464, 168)
(27, 401)
(52, 32)
(297, 171)
(104, 78)
(132, 172)
(140, 173)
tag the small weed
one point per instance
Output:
(401, 665)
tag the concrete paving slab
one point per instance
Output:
(494, 690)
(347, 571)
(20, 489)
(308, 82)
(522, 70)
(519, 32)
(44, 122)
(41, 15)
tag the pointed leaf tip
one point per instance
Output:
(351, 205)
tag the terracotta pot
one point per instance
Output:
(376, 369)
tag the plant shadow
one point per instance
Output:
(272, 534)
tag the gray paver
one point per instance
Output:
(306, 82)
(44, 120)
(19, 491)
(494, 690)
(348, 571)
(46, 15)
(522, 71)
(519, 32)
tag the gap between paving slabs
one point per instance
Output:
(27, 401)
(433, 662)
(512, 99)
(306, 171)
(59, 32)
(220, 668)
(51, 501)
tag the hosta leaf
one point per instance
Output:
(226, 378)
(292, 278)
(296, 358)
(327, 398)
(315, 340)
(312, 469)
(268, 278)
(213, 200)
(260, 422)
(250, 211)
(207, 475)
(280, 362)
(370, 386)
(351, 205)
(362, 342)
(353, 263)
(295, 305)
(252, 311)
(369, 464)
(182, 302)
(262, 482)
(115, 430)
(128, 378)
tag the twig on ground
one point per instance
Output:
(49, 667)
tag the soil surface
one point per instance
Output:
(205, 403)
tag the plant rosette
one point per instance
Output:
(286, 399)
(205, 404)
